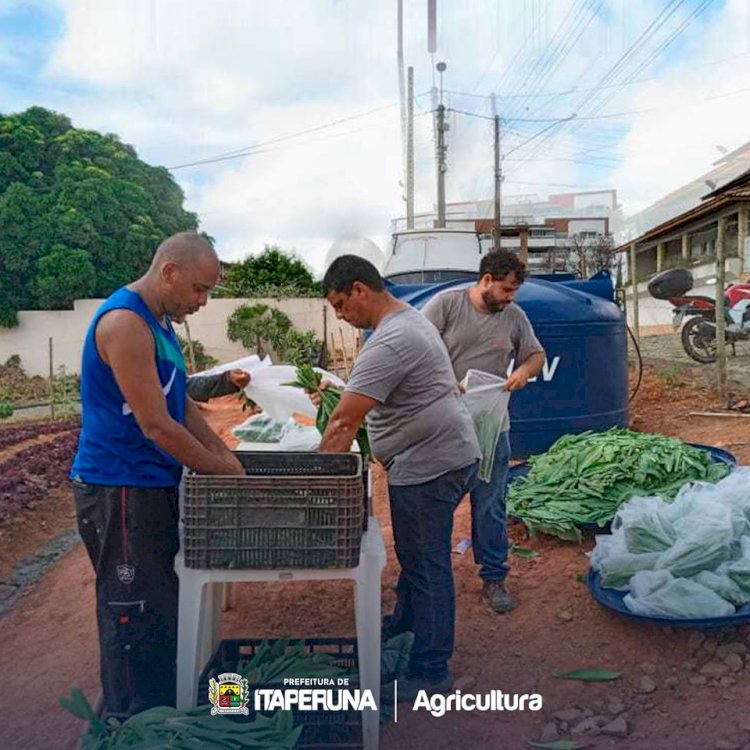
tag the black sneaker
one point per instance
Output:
(497, 597)
(408, 688)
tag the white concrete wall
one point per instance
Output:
(67, 328)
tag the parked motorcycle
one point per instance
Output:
(698, 334)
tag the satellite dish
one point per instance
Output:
(356, 245)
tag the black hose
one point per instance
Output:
(640, 364)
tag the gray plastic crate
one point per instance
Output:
(290, 510)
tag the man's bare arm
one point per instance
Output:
(126, 344)
(345, 421)
(530, 368)
(197, 426)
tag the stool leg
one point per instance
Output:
(210, 619)
(189, 638)
(367, 613)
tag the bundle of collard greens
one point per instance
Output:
(686, 559)
(583, 479)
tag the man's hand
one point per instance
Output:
(315, 395)
(516, 380)
(239, 378)
(234, 467)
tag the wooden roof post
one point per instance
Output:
(634, 292)
(742, 240)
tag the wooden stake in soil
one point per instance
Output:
(51, 381)
(191, 353)
(344, 354)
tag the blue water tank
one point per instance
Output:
(584, 384)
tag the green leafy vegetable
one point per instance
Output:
(583, 479)
(309, 380)
(589, 675)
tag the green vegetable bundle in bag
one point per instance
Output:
(309, 380)
(487, 401)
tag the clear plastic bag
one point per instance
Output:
(659, 594)
(260, 428)
(487, 402)
(704, 541)
(281, 401)
(720, 583)
(645, 525)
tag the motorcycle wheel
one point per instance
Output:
(695, 342)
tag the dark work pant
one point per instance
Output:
(422, 519)
(131, 535)
(489, 526)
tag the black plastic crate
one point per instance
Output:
(290, 510)
(339, 730)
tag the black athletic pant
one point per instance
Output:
(131, 534)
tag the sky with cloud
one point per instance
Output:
(288, 110)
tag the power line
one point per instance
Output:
(576, 90)
(254, 149)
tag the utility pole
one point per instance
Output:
(721, 352)
(410, 150)
(400, 57)
(498, 186)
(441, 152)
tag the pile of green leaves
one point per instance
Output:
(284, 659)
(164, 727)
(583, 479)
(309, 380)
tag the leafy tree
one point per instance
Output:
(80, 214)
(260, 327)
(273, 273)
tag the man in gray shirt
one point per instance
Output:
(420, 430)
(483, 329)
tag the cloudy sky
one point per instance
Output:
(306, 91)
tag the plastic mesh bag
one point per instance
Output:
(659, 594)
(487, 402)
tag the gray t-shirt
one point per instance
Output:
(420, 428)
(481, 341)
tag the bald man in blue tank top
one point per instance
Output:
(139, 428)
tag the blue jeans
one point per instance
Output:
(489, 530)
(422, 519)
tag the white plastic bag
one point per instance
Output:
(299, 437)
(281, 401)
(250, 364)
(487, 402)
(659, 594)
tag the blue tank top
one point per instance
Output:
(112, 449)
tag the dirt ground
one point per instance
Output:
(669, 695)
